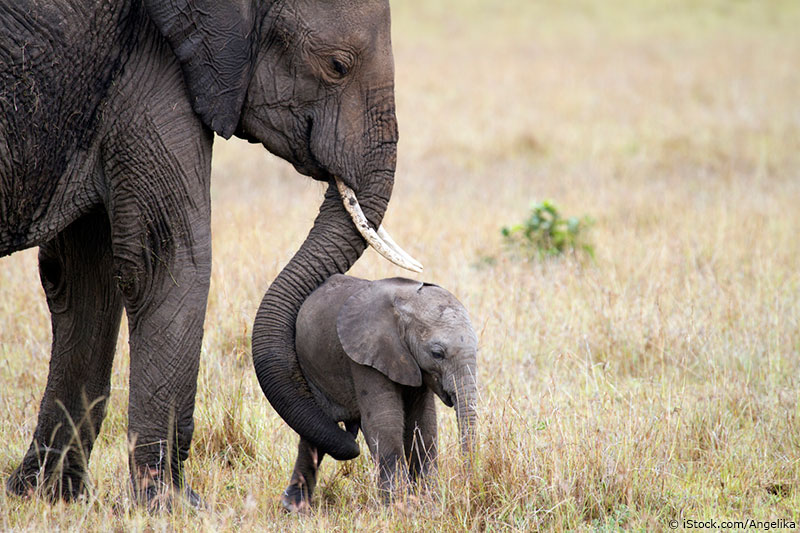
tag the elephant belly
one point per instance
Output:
(328, 375)
(34, 210)
(338, 408)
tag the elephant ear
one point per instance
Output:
(369, 330)
(214, 42)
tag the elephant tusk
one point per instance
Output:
(385, 237)
(380, 241)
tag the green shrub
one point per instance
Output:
(545, 233)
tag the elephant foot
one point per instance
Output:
(163, 499)
(407, 505)
(157, 496)
(295, 499)
(48, 473)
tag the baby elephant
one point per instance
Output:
(374, 354)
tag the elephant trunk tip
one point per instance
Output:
(346, 450)
(301, 411)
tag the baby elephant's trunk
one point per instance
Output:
(465, 402)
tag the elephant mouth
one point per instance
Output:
(305, 162)
(309, 167)
(447, 398)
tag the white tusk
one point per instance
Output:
(384, 246)
(385, 237)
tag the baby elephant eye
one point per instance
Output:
(437, 353)
(339, 67)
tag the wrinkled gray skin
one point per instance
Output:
(375, 355)
(107, 114)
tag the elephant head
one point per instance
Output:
(415, 333)
(313, 81)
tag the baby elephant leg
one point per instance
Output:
(382, 421)
(297, 496)
(419, 438)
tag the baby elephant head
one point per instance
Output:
(415, 333)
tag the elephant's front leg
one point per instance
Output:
(85, 306)
(165, 285)
(165, 288)
(380, 403)
(420, 437)
(160, 215)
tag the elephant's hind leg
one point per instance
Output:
(297, 496)
(85, 306)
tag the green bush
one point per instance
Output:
(545, 233)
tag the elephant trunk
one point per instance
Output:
(332, 246)
(466, 396)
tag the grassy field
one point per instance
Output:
(657, 382)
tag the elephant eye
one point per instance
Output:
(338, 67)
(437, 353)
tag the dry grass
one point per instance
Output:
(658, 382)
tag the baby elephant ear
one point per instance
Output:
(369, 330)
(214, 42)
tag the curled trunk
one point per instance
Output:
(332, 246)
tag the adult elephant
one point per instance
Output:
(107, 114)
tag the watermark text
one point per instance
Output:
(729, 525)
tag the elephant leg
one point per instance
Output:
(382, 422)
(165, 290)
(165, 287)
(85, 306)
(160, 208)
(297, 496)
(420, 435)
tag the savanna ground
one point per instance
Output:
(657, 382)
